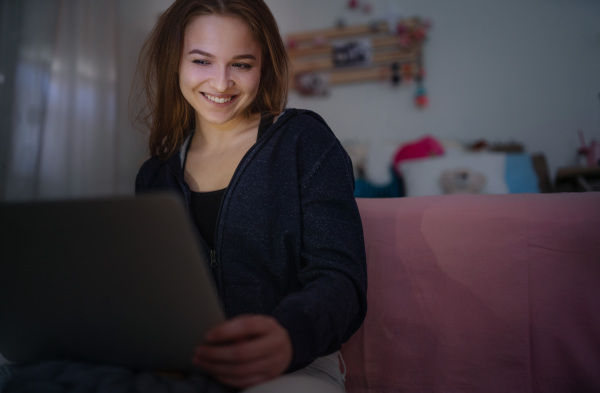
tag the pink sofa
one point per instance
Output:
(480, 293)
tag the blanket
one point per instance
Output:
(77, 377)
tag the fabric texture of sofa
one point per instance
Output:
(480, 293)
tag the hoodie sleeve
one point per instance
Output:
(332, 303)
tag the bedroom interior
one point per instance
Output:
(503, 73)
(418, 38)
(467, 293)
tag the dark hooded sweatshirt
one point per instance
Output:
(289, 240)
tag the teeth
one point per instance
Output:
(218, 100)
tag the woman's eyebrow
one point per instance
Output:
(200, 52)
(242, 57)
(203, 53)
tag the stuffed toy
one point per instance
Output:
(462, 181)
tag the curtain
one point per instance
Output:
(58, 134)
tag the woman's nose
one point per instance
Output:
(221, 80)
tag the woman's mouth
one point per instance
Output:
(218, 100)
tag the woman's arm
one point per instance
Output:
(332, 304)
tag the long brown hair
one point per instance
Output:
(165, 111)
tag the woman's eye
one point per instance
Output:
(200, 62)
(242, 66)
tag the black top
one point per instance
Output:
(205, 209)
(206, 205)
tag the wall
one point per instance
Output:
(513, 70)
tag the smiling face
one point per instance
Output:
(220, 69)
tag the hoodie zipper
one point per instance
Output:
(212, 252)
(213, 259)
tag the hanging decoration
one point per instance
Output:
(421, 99)
(360, 53)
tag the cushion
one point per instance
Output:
(378, 161)
(422, 176)
(366, 189)
(520, 175)
(425, 147)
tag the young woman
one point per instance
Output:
(271, 193)
(270, 190)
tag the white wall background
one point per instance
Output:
(512, 70)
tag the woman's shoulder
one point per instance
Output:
(301, 117)
(152, 174)
(304, 124)
(313, 139)
(151, 166)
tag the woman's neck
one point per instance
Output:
(223, 135)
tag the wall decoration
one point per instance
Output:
(359, 53)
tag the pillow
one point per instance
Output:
(378, 161)
(425, 147)
(520, 175)
(365, 189)
(358, 153)
(422, 176)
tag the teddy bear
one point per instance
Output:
(462, 181)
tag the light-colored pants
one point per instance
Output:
(324, 375)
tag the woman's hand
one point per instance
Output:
(245, 351)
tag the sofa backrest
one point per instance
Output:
(480, 293)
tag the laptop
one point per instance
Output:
(118, 281)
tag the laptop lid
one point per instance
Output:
(117, 281)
